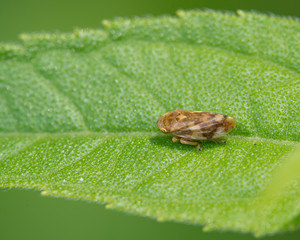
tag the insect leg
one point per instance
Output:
(188, 142)
(175, 139)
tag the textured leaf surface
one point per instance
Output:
(78, 114)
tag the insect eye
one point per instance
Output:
(163, 130)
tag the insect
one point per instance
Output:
(190, 126)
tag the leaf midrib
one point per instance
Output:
(149, 133)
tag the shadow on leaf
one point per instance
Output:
(166, 142)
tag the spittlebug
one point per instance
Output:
(190, 126)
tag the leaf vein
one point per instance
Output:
(97, 142)
(11, 112)
(133, 79)
(63, 94)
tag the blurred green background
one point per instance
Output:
(18, 16)
(25, 214)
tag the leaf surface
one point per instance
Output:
(78, 113)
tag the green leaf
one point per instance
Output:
(78, 117)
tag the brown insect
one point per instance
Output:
(190, 126)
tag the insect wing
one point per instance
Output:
(194, 120)
(201, 126)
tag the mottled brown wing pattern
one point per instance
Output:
(195, 125)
